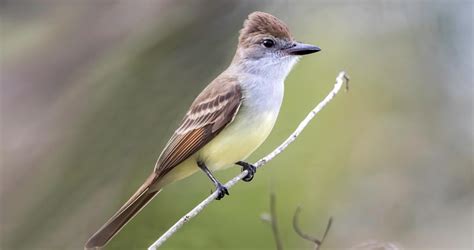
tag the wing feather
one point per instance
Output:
(212, 110)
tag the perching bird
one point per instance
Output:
(228, 120)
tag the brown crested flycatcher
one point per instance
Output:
(228, 120)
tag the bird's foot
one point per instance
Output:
(251, 170)
(221, 191)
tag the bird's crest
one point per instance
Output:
(261, 23)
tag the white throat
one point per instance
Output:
(273, 68)
(262, 82)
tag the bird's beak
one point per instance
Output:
(300, 49)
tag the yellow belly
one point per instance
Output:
(234, 143)
(237, 141)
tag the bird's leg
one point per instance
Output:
(221, 190)
(251, 169)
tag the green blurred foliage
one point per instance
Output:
(92, 90)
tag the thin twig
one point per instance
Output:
(316, 241)
(274, 222)
(340, 80)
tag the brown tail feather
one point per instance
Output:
(139, 200)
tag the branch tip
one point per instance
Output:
(316, 241)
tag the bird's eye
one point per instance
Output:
(268, 43)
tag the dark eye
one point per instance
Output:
(268, 43)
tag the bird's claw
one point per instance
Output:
(221, 191)
(251, 170)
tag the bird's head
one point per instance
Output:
(264, 36)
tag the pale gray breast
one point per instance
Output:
(263, 83)
(262, 95)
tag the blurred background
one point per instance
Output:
(92, 90)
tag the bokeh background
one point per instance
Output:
(92, 90)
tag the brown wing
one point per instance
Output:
(212, 110)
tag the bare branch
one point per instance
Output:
(271, 219)
(340, 80)
(274, 223)
(316, 241)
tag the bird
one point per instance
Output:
(227, 121)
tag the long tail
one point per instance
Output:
(141, 197)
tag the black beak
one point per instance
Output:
(300, 49)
